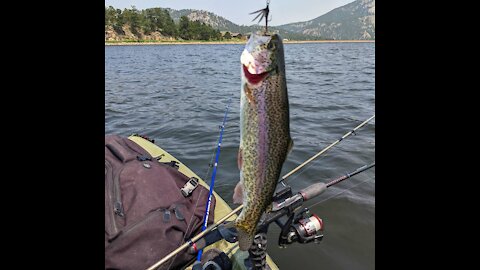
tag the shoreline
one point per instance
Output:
(229, 42)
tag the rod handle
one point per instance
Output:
(313, 191)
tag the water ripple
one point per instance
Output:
(177, 95)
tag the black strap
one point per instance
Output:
(143, 158)
(172, 163)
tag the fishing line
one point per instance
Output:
(307, 167)
(343, 191)
(353, 131)
(325, 149)
(217, 150)
(210, 164)
(339, 148)
(225, 185)
(212, 182)
(214, 148)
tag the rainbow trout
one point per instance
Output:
(264, 131)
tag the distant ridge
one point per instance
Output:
(355, 21)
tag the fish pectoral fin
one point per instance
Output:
(248, 93)
(238, 193)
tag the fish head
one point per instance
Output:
(261, 57)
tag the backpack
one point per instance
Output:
(146, 214)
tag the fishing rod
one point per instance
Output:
(301, 227)
(296, 230)
(313, 190)
(353, 131)
(325, 149)
(348, 175)
(214, 173)
(192, 241)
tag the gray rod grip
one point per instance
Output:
(313, 191)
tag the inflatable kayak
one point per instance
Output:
(236, 256)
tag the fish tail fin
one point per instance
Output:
(245, 239)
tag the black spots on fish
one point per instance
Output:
(245, 239)
(275, 37)
(249, 93)
(239, 158)
(276, 70)
(264, 46)
(264, 141)
(275, 43)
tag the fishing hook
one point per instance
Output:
(263, 13)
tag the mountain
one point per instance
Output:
(209, 18)
(352, 21)
(223, 24)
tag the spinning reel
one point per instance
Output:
(302, 227)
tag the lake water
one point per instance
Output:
(176, 94)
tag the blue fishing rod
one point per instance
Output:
(214, 172)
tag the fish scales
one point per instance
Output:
(264, 130)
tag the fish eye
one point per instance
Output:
(271, 46)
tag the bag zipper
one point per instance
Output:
(117, 206)
(132, 226)
(114, 228)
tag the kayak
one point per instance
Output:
(236, 256)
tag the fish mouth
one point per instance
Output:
(254, 78)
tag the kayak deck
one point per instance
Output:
(221, 208)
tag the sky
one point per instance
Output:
(282, 11)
